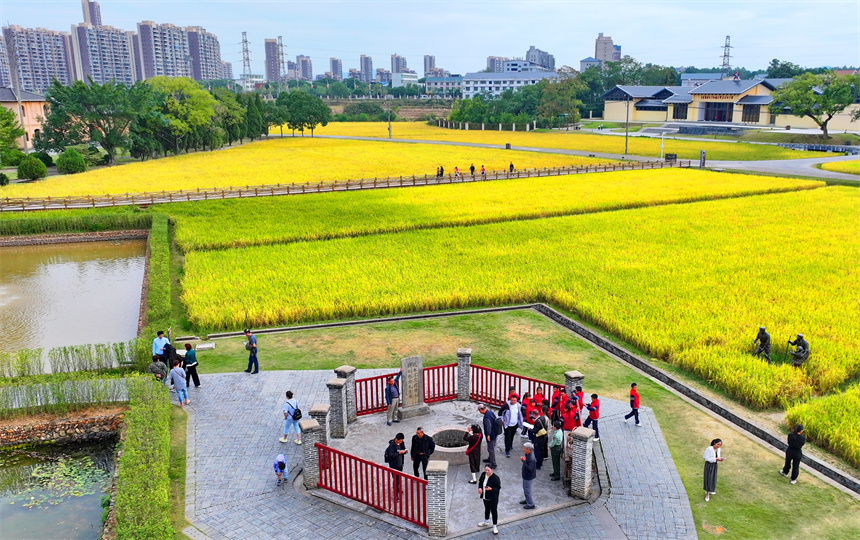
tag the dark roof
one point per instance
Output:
(589, 59)
(8, 95)
(701, 76)
(635, 92)
(775, 83)
(650, 103)
(679, 98)
(724, 87)
(755, 100)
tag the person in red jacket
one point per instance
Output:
(538, 398)
(580, 397)
(570, 417)
(634, 406)
(593, 415)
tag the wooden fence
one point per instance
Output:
(9, 204)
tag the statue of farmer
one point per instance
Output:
(801, 352)
(763, 342)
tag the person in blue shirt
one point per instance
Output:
(158, 346)
(252, 347)
(280, 466)
(392, 397)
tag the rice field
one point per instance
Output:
(688, 283)
(847, 167)
(239, 223)
(285, 160)
(608, 144)
(832, 421)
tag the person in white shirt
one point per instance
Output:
(712, 458)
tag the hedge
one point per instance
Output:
(80, 223)
(160, 308)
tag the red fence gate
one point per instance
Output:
(440, 383)
(370, 394)
(492, 386)
(383, 488)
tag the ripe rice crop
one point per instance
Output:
(832, 421)
(287, 160)
(260, 221)
(847, 167)
(571, 140)
(688, 283)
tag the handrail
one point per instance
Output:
(491, 386)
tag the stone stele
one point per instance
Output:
(412, 388)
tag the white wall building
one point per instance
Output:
(403, 79)
(495, 83)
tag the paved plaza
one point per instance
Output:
(235, 421)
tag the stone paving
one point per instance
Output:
(235, 421)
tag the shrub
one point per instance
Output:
(44, 157)
(31, 168)
(91, 154)
(11, 157)
(4, 180)
(71, 162)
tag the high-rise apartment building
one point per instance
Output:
(541, 58)
(172, 51)
(305, 67)
(366, 68)
(205, 51)
(605, 50)
(273, 66)
(226, 70)
(41, 56)
(496, 64)
(102, 53)
(92, 12)
(398, 63)
(5, 72)
(336, 68)
(429, 64)
(383, 75)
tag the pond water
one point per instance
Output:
(70, 294)
(54, 491)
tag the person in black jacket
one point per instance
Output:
(489, 486)
(423, 447)
(489, 422)
(394, 458)
(794, 453)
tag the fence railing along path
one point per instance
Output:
(377, 486)
(492, 386)
(10, 204)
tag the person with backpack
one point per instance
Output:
(557, 402)
(541, 433)
(492, 429)
(292, 415)
(394, 458)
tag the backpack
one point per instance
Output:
(297, 414)
(388, 454)
(498, 427)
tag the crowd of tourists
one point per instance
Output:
(174, 369)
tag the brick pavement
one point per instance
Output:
(235, 421)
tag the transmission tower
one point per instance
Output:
(246, 59)
(727, 65)
(282, 71)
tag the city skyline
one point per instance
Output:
(663, 33)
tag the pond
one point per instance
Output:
(54, 491)
(70, 294)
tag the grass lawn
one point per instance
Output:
(751, 501)
(176, 470)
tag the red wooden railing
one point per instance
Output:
(440, 383)
(492, 386)
(383, 488)
(370, 394)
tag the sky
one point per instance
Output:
(461, 34)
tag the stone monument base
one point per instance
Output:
(413, 410)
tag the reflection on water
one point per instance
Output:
(54, 491)
(70, 294)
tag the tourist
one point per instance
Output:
(438, 172)
(527, 409)
(511, 168)
(441, 171)
(593, 415)
(456, 172)
(392, 398)
(394, 458)
(512, 419)
(423, 447)
(158, 369)
(489, 423)
(570, 421)
(472, 169)
(177, 377)
(555, 448)
(191, 365)
(473, 438)
(291, 411)
(538, 399)
(158, 346)
(280, 466)
(763, 341)
(529, 474)
(251, 346)
(634, 406)
(557, 403)
(712, 458)
(541, 435)
(794, 453)
(580, 397)
(483, 171)
(489, 486)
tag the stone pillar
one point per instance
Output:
(572, 379)
(582, 462)
(527, 127)
(319, 412)
(482, 126)
(467, 126)
(437, 498)
(310, 453)
(337, 415)
(513, 127)
(348, 373)
(464, 381)
(412, 388)
(500, 127)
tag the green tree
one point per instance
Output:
(819, 97)
(559, 103)
(274, 115)
(10, 129)
(229, 114)
(31, 168)
(778, 69)
(93, 113)
(318, 113)
(626, 71)
(338, 90)
(186, 105)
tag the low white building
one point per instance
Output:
(495, 83)
(403, 79)
(443, 85)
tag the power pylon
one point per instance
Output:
(282, 71)
(727, 64)
(246, 59)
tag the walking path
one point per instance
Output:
(235, 421)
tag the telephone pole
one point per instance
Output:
(727, 64)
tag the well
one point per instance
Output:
(450, 445)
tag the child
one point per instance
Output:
(280, 466)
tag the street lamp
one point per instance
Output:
(388, 98)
